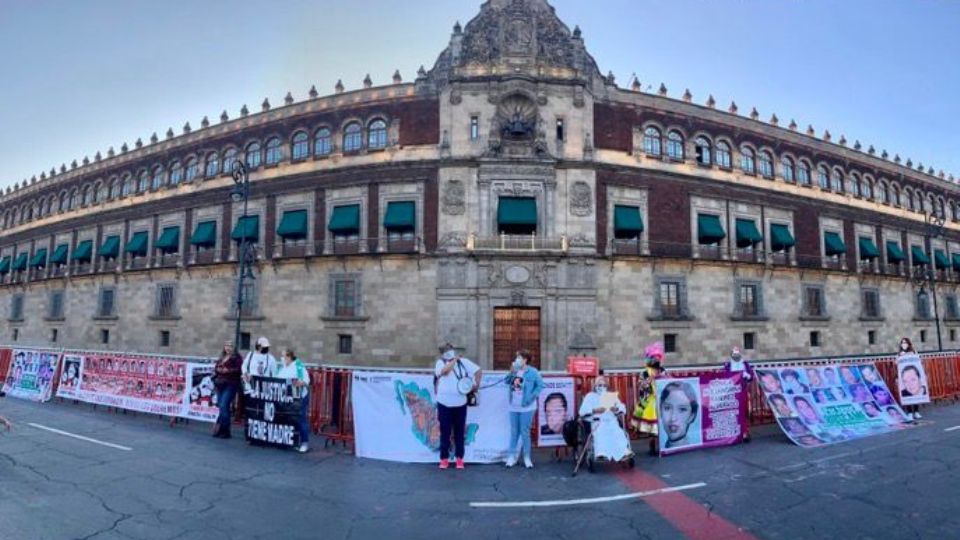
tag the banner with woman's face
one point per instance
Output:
(912, 380)
(700, 412)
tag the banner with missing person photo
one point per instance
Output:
(154, 385)
(701, 411)
(555, 406)
(820, 405)
(912, 380)
(31, 374)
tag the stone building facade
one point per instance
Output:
(511, 196)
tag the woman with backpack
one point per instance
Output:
(294, 370)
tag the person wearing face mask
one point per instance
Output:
(524, 385)
(601, 408)
(259, 362)
(737, 364)
(294, 371)
(645, 413)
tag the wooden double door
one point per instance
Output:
(515, 328)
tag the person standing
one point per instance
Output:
(455, 377)
(524, 384)
(226, 382)
(259, 362)
(646, 410)
(736, 364)
(294, 370)
(906, 348)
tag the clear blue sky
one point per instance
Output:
(80, 76)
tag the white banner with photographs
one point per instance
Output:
(556, 406)
(153, 385)
(912, 380)
(31, 374)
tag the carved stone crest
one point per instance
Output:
(453, 240)
(517, 275)
(581, 199)
(454, 195)
(517, 298)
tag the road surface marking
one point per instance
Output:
(954, 428)
(595, 500)
(80, 437)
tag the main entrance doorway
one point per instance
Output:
(515, 329)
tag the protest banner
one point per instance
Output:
(912, 380)
(272, 412)
(702, 411)
(153, 385)
(31, 374)
(555, 406)
(823, 405)
(395, 418)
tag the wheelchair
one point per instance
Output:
(578, 435)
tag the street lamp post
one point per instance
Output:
(246, 255)
(935, 222)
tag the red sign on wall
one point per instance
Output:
(583, 366)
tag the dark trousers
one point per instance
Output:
(225, 396)
(303, 423)
(451, 419)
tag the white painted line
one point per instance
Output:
(80, 437)
(595, 500)
(954, 428)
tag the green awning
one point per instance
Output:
(247, 228)
(84, 250)
(169, 241)
(868, 250)
(894, 253)
(137, 246)
(833, 244)
(627, 221)
(780, 237)
(940, 259)
(955, 258)
(60, 254)
(20, 264)
(39, 259)
(401, 216)
(205, 235)
(5, 265)
(517, 211)
(919, 257)
(747, 233)
(345, 219)
(709, 229)
(293, 226)
(109, 250)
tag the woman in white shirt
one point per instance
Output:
(294, 371)
(455, 378)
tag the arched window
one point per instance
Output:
(675, 145)
(896, 195)
(213, 164)
(377, 134)
(823, 178)
(75, 199)
(254, 155)
(352, 137)
(300, 149)
(854, 185)
(931, 206)
(882, 194)
(652, 142)
(193, 169)
(836, 181)
(917, 201)
(955, 211)
(766, 165)
(127, 186)
(229, 160)
(87, 195)
(48, 207)
(803, 173)
(786, 167)
(157, 181)
(867, 189)
(723, 155)
(114, 188)
(273, 151)
(703, 151)
(907, 199)
(747, 160)
(143, 182)
(323, 142)
(176, 173)
(64, 203)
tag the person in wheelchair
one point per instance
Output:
(604, 411)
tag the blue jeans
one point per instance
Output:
(304, 420)
(520, 427)
(225, 396)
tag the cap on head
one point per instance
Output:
(449, 355)
(735, 351)
(263, 342)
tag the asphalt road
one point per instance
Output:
(169, 482)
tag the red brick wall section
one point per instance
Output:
(850, 239)
(431, 204)
(669, 222)
(602, 214)
(419, 122)
(270, 227)
(613, 127)
(226, 227)
(319, 220)
(373, 216)
(806, 226)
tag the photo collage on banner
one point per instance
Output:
(31, 374)
(703, 411)
(556, 406)
(823, 405)
(912, 380)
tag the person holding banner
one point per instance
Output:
(906, 349)
(524, 385)
(294, 371)
(259, 362)
(226, 383)
(454, 378)
(736, 364)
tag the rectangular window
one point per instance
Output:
(815, 339)
(105, 305)
(104, 336)
(952, 311)
(923, 336)
(16, 308)
(871, 303)
(345, 298)
(670, 343)
(164, 338)
(813, 301)
(560, 133)
(749, 341)
(248, 294)
(344, 344)
(56, 305)
(872, 337)
(474, 128)
(953, 334)
(923, 305)
(244, 341)
(166, 301)
(748, 301)
(669, 299)
(54, 334)
(16, 334)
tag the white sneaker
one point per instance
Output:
(527, 462)
(304, 448)
(512, 460)
(917, 416)
(910, 417)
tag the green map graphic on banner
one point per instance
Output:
(423, 415)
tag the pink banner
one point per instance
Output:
(702, 411)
